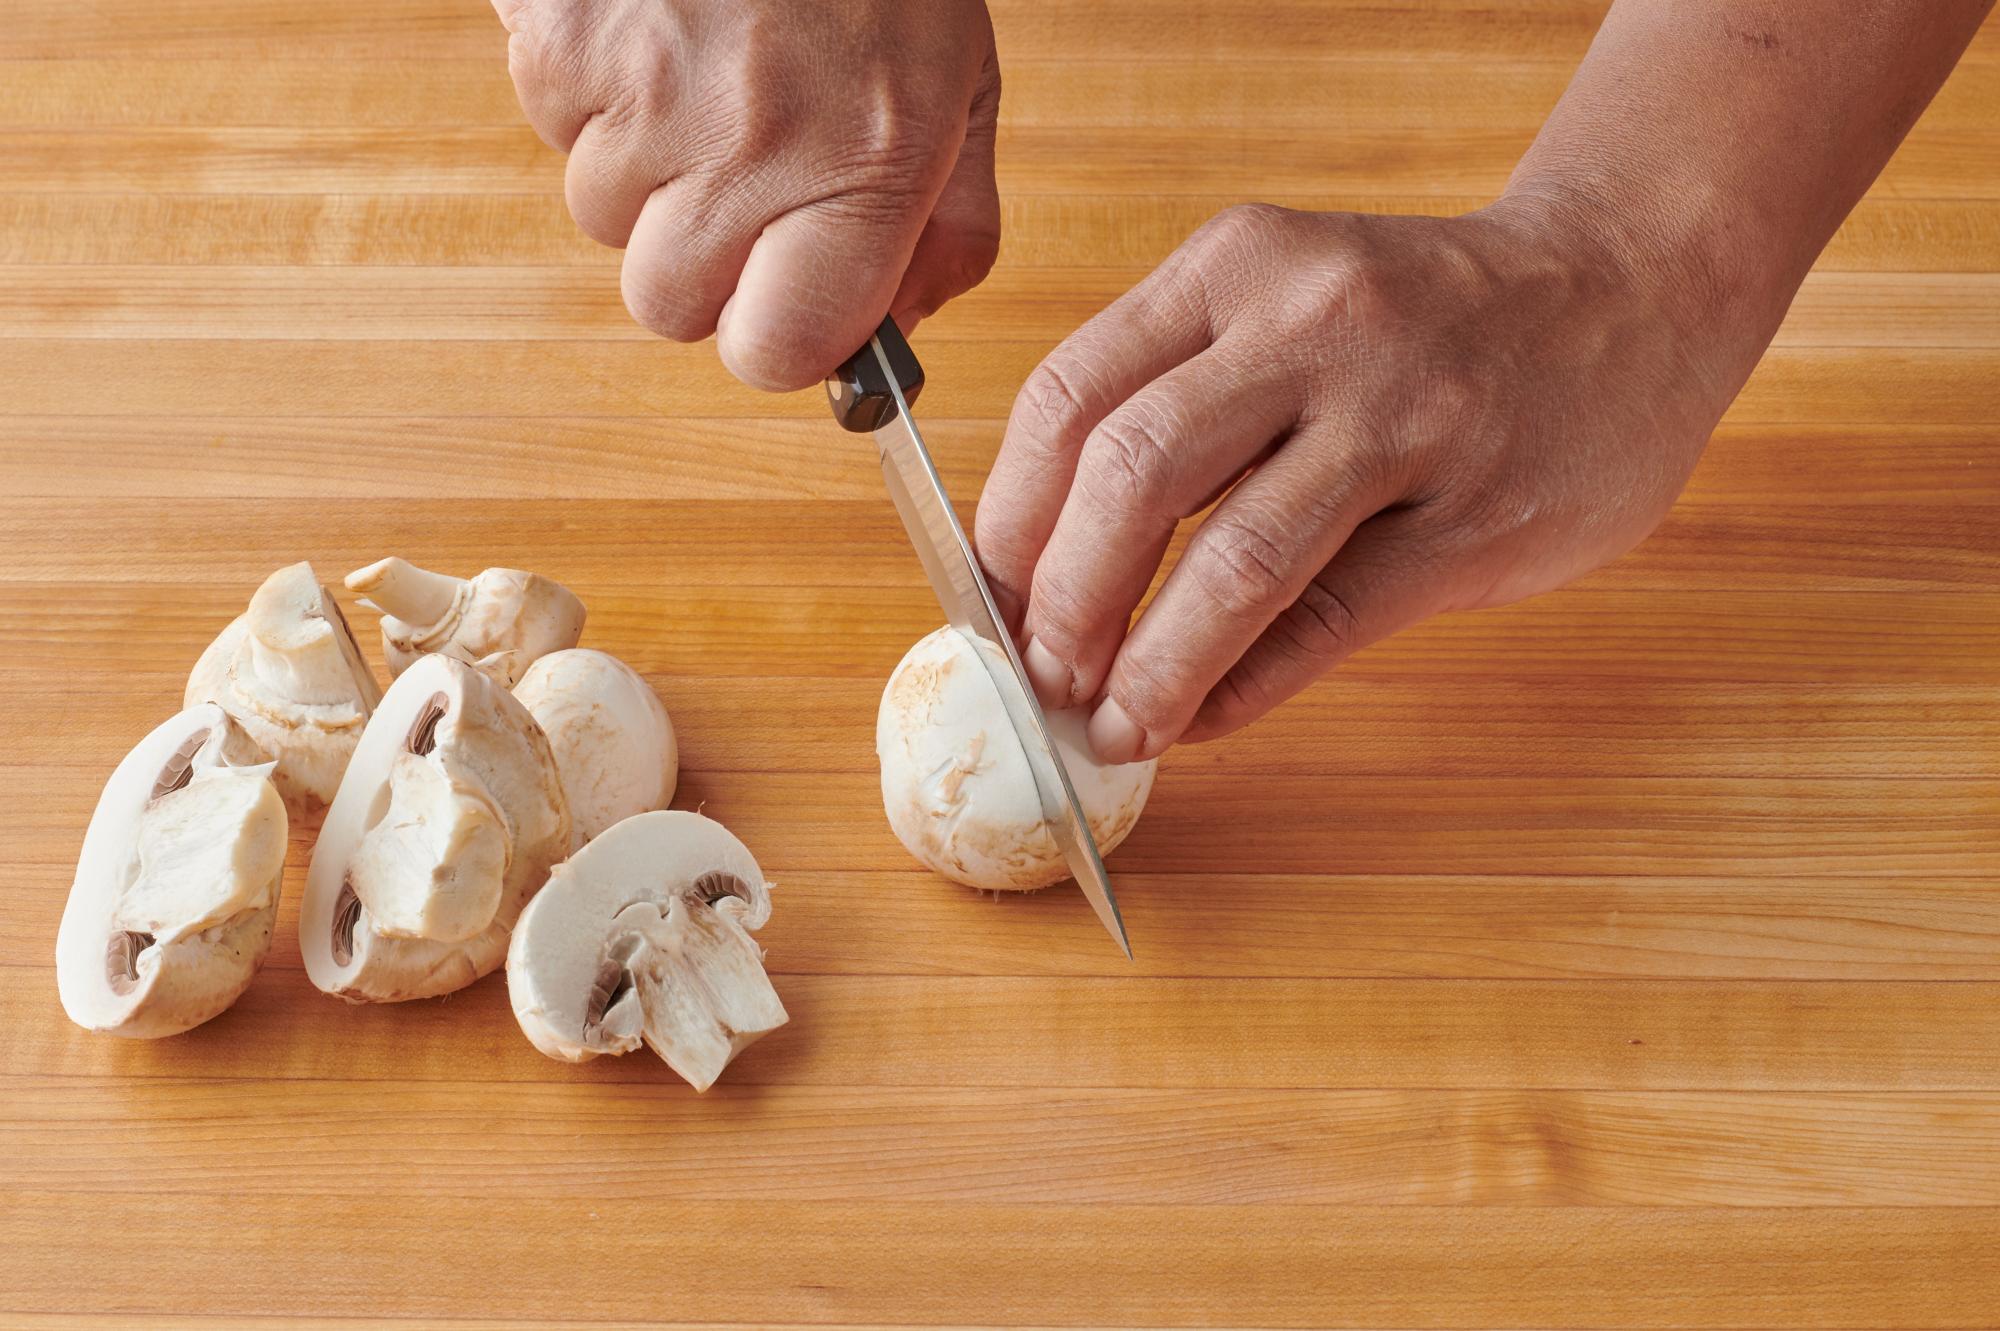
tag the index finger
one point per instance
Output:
(1149, 330)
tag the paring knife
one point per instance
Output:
(871, 394)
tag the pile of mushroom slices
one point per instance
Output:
(501, 802)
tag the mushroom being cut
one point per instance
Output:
(957, 787)
(447, 822)
(288, 672)
(613, 742)
(178, 882)
(501, 620)
(644, 934)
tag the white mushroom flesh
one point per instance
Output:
(644, 936)
(288, 672)
(177, 887)
(613, 741)
(448, 821)
(956, 784)
(432, 866)
(503, 620)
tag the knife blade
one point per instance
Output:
(871, 393)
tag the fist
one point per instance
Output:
(1401, 416)
(781, 173)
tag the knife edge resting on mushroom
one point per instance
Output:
(957, 787)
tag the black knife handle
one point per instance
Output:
(860, 394)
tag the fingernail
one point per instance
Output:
(1051, 678)
(1114, 735)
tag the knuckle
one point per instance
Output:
(1061, 608)
(968, 262)
(656, 297)
(1050, 406)
(1241, 568)
(1246, 226)
(1242, 695)
(1335, 300)
(1320, 627)
(778, 354)
(1149, 696)
(1128, 462)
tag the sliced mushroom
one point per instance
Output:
(502, 620)
(447, 822)
(613, 741)
(644, 934)
(288, 672)
(956, 784)
(177, 886)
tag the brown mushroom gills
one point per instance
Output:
(121, 959)
(614, 981)
(347, 906)
(179, 769)
(714, 886)
(346, 915)
(423, 735)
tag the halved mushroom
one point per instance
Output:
(501, 621)
(288, 672)
(644, 934)
(170, 914)
(956, 784)
(613, 741)
(447, 822)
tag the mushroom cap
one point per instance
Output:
(177, 886)
(613, 741)
(503, 620)
(957, 787)
(644, 934)
(288, 672)
(446, 823)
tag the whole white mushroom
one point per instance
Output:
(957, 787)
(613, 742)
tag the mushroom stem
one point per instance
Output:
(401, 590)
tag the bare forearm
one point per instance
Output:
(1719, 143)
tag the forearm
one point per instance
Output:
(1716, 145)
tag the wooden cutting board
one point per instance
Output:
(1626, 958)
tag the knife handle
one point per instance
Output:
(860, 392)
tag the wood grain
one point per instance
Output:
(1625, 958)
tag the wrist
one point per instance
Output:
(1709, 269)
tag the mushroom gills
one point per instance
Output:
(177, 887)
(446, 823)
(691, 983)
(644, 936)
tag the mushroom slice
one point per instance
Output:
(447, 822)
(502, 620)
(177, 885)
(288, 672)
(957, 787)
(644, 934)
(613, 741)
